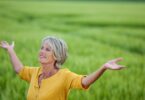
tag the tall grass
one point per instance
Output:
(95, 32)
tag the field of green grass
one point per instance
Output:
(95, 33)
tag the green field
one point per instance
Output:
(95, 33)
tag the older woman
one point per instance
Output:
(49, 81)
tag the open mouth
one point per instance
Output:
(42, 57)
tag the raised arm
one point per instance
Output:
(17, 65)
(112, 64)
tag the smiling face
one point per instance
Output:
(46, 54)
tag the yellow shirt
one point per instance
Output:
(55, 87)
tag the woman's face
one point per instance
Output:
(46, 54)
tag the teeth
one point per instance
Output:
(42, 57)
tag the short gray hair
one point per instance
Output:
(59, 48)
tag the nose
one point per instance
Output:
(41, 51)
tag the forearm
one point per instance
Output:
(17, 65)
(90, 79)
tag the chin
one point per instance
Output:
(42, 61)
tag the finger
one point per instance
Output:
(4, 42)
(117, 60)
(0, 42)
(13, 43)
(122, 67)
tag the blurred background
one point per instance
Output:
(95, 31)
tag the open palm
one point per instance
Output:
(112, 64)
(6, 45)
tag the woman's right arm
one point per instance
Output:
(17, 65)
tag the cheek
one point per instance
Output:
(48, 55)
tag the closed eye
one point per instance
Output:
(47, 49)
(42, 47)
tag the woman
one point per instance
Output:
(49, 81)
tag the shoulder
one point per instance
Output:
(67, 73)
(30, 69)
(64, 72)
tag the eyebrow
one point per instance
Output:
(49, 47)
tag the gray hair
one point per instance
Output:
(59, 48)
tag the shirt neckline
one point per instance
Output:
(40, 71)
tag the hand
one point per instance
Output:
(6, 45)
(112, 64)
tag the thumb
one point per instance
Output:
(13, 44)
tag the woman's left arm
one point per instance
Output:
(112, 64)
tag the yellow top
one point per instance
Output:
(55, 87)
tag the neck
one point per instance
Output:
(48, 70)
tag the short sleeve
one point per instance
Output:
(75, 81)
(26, 73)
